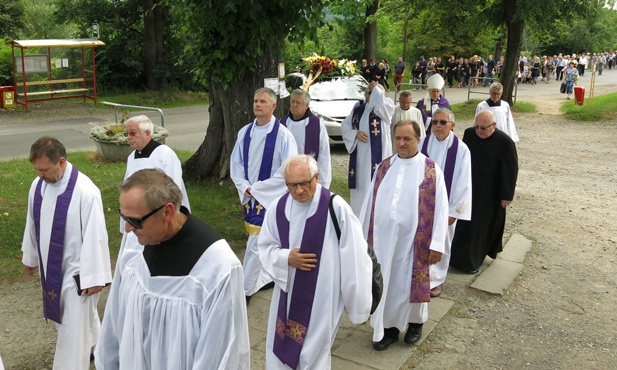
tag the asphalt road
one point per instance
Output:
(187, 126)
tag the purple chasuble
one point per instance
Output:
(311, 135)
(448, 170)
(291, 329)
(51, 277)
(420, 276)
(374, 140)
(253, 214)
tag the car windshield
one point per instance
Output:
(338, 89)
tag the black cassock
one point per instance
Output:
(494, 168)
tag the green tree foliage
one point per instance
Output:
(11, 17)
(234, 46)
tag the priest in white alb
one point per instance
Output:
(178, 303)
(310, 133)
(366, 133)
(261, 148)
(319, 271)
(500, 109)
(405, 112)
(405, 219)
(66, 238)
(452, 156)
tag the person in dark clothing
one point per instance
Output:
(494, 169)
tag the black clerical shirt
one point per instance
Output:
(147, 150)
(178, 255)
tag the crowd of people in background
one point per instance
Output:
(475, 71)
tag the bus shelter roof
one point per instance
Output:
(56, 43)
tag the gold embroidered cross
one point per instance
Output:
(375, 166)
(375, 131)
(375, 123)
(52, 294)
(355, 118)
(259, 208)
(351, 172)
(248, 207)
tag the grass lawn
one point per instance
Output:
(599, 108)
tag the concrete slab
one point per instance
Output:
(516, 249)
(497, 277)
(438, 308)
(341, 364)
(359, 349)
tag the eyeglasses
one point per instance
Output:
(439, 121)
(483, 128)
(137, 223)
(304, 184)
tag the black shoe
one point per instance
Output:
(414, 333)
(270, 285)
(473, 272)
(390, 335)
(383, 344)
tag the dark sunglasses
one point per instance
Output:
(439, 121)
(137, 223)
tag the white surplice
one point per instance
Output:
(164, 159)
(298, 130)
(395, 223)
(264, 191)
(503, 117)
(459, 200)
(343, 283)
(411, 114)
(85, 252)
(384, 109)
(197, 321)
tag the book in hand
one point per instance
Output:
(78, 285)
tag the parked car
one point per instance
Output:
(332, 99)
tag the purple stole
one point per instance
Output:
(291, 329)
(311, 135)
(375, 141)
(420, 276)
(51, 277)
(448, 171)
(253, 214)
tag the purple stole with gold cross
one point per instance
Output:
(448, 171)
(253, 214)
(375, 142)
(291, 329)
(420, 276)
(51, 276)
(311, 135)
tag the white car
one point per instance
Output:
(332, 99)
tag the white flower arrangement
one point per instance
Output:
(116, 132)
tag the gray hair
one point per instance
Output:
(303, 160)
(158, 188)
(405, 94)
(414, 124)
(49, 147)
(144, 123)
(269, 91)
(446, 111)
(496, 87)
(305, 95)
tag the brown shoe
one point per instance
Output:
(436, 291)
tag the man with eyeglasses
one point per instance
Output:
(501, 110)
(405, 219)
(310, 133)
(453, 157)
(179, 303)
(366, 133)
(261, 148)
(494, 170)
(66, 238)
(318, 274)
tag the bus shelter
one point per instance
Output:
(54, 69)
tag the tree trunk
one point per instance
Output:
(499, 44)
(155, 15)
(370, 30)
(515, 26)
(231, 108)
